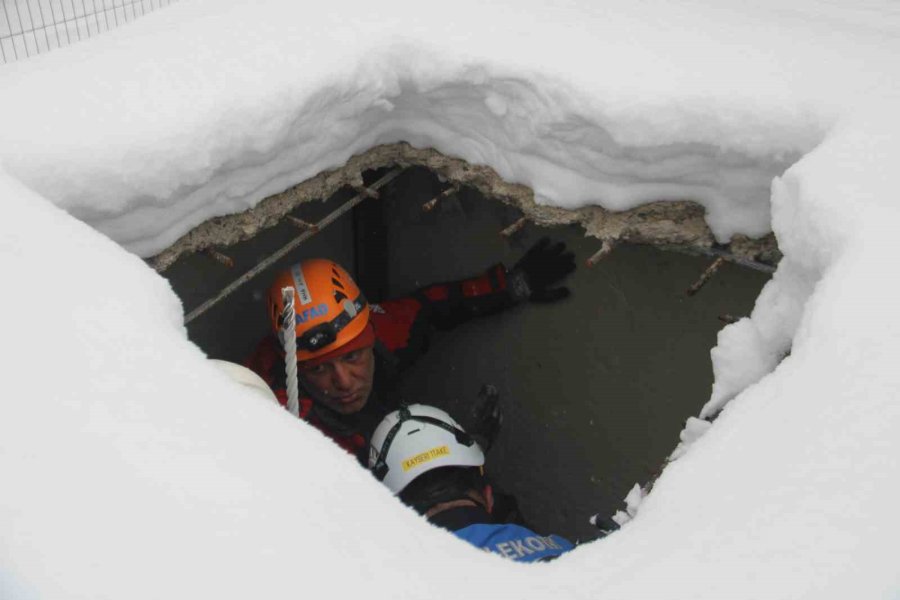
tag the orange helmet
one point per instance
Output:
(330, 309)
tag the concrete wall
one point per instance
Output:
(595, 388)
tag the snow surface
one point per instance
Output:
(131, 468)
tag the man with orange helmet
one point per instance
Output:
(349, 352)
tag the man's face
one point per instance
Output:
(344, 382)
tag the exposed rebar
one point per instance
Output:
(301, 224)
(219, 257)
(706, 275)
(431, 204)
(514, 228)
(600, 254)
(366, 191)
(278, 254)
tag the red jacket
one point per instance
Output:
(402, 329)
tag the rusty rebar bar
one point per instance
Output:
(219, 257)
(432, 204)
(281, 252)
(706, 275)
(600, 254)
(514, 228)
(301, 224)
(366, 191)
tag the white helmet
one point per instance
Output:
(246, 377)
(416, 439)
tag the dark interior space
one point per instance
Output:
(595, 389)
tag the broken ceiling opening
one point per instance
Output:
(595, 389)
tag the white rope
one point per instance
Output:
(289, 341)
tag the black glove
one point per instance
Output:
(542, 266)
(604, 524)
(486, 417)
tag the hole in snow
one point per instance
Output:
(595, 389)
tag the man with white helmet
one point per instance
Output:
(422, 455)
(246, 378)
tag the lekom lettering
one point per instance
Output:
(311, 313)
(529, 545)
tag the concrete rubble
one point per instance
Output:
(672, 225)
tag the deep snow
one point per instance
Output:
(131, 468)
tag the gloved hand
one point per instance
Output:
(486, 417)
(542, 266)
(605, 524)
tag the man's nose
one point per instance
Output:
(342, 377)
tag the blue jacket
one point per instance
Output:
(506, 539)
(514, 541)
